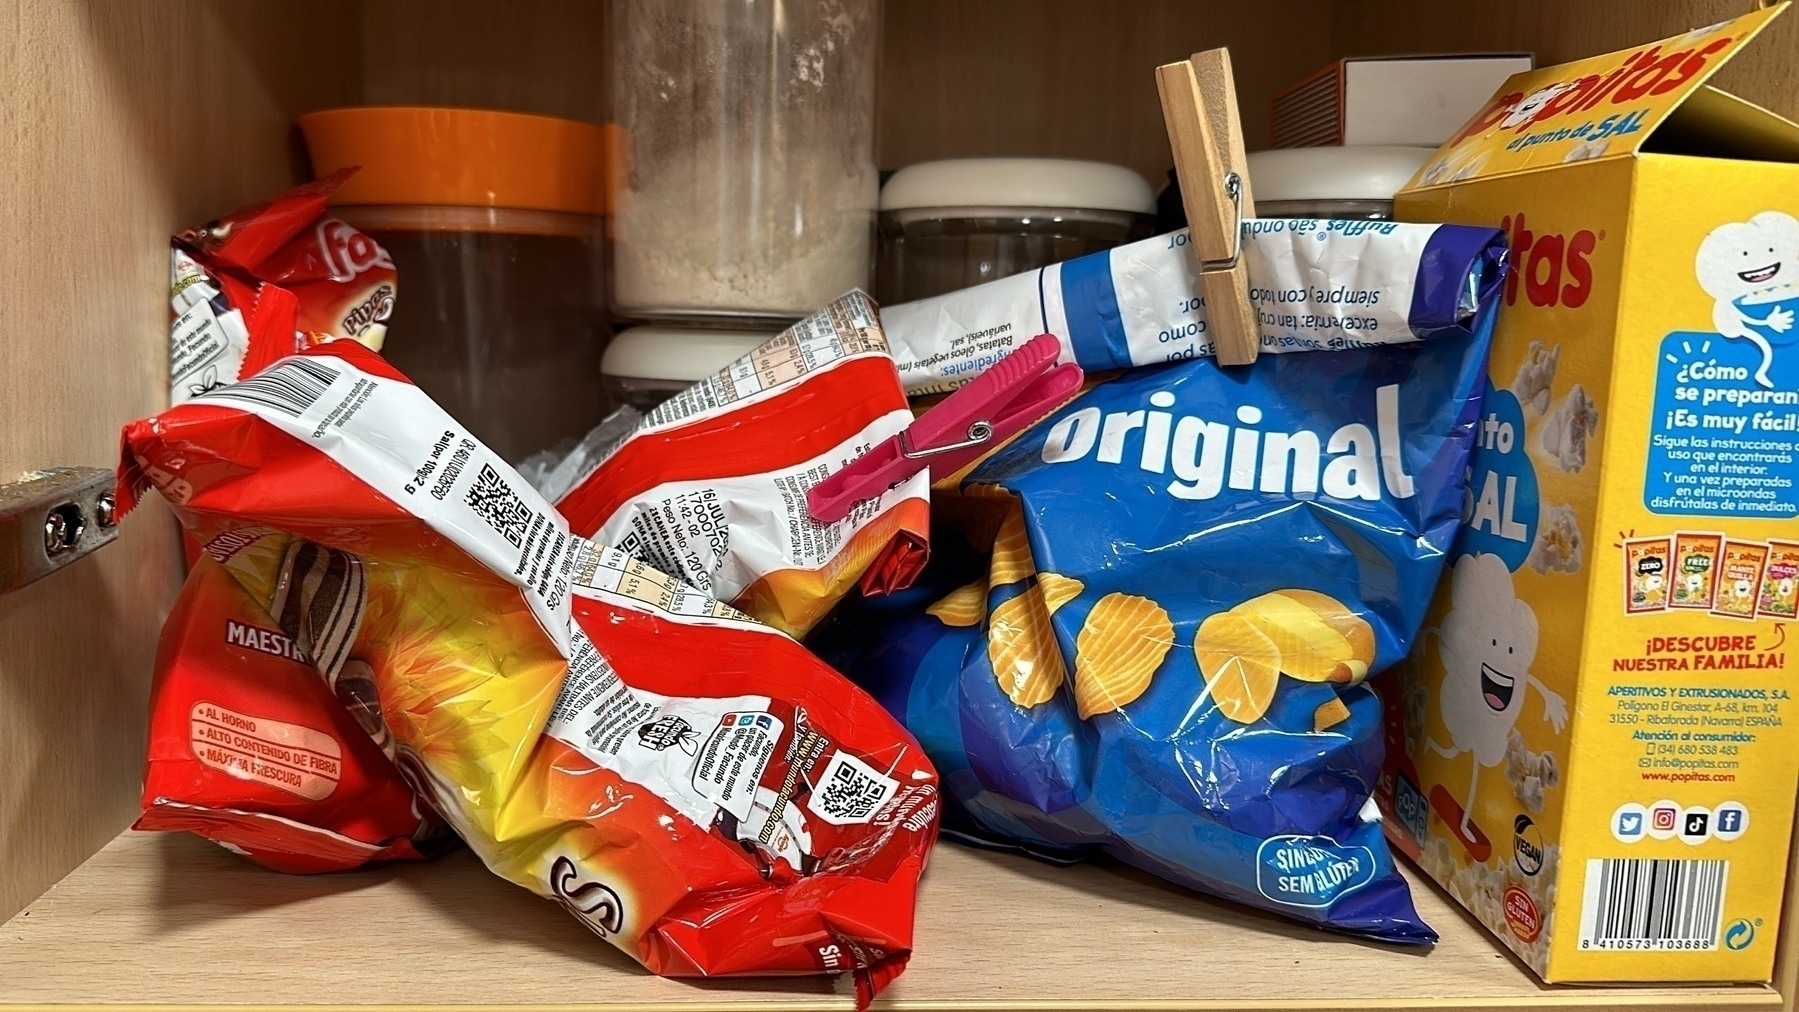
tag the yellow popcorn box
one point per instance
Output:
(1586, 748)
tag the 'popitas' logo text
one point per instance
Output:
(1644, 73)
(1551, 268)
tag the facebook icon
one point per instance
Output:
(1730, 820)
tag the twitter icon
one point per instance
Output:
(1629, 822)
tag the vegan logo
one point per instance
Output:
(1527, 845)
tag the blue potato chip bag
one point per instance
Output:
(1189, 573)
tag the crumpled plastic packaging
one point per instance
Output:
(694, 786)
(1153, 643)
(711, 486)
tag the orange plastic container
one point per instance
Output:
(420, 155)
(495, 223)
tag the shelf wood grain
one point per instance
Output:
(172, 920)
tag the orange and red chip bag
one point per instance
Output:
(250, 748)
(265, 282)
(796, 815)
(711, 486)
(697, 788)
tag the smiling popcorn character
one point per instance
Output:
(1744, 257)
(1488, 643)
(1643, 408)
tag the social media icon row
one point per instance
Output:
(1665, 820)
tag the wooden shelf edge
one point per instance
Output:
(1752, 998)
(157, 922)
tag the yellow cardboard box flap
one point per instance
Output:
(1609, 106)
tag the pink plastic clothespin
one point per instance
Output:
(1014, 393)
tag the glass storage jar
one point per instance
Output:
(744, 183)
(950, 224)
(645, 366)
(493, 221)
(1332, 182)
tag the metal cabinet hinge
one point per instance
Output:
(50, 518)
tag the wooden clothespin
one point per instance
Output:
(1199, 106)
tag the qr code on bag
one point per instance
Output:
(495, 502)
(850, 791)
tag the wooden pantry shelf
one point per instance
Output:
(155, 920)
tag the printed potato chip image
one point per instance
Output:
(1122, 643)
(1310, 650)
(1241, 665)
(964, 606)
(1059, 590)
(1340, 617)
(1011, 551)
(1021, 645)
(1329, 715)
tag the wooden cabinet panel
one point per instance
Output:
(122, 122)
(541, 56)
(1075, 78)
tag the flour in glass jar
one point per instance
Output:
(746, 182)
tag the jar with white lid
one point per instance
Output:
(644, 366)
(950, 224)
(1332, 182)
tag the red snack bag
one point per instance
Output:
(249, 747)
(266, 281)
(789, 840)
(798, 818)
(711, 486)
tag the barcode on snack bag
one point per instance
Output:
(850, 791)
(494, 501)
(289, 387)
(1652, 903)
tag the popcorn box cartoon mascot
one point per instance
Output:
(1590, 745)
